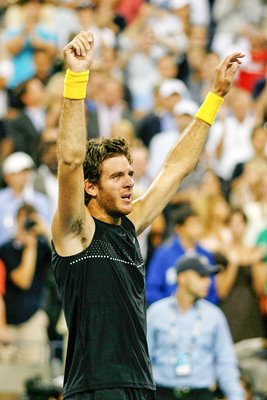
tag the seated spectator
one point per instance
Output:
(18, 176)
(189, 341)
(161, 277)
(27, 257)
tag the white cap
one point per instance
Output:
(188, 107)
(174, 4)
(17, 162)
(171, 86)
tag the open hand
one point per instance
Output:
(225, 73)
(79, 52)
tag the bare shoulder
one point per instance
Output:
(76, 237)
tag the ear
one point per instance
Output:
(90, 188)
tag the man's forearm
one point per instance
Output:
(72, 133)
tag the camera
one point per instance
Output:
(29, 224)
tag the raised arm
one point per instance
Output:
(72, 224)
(185, 154)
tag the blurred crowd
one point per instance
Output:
(154, 64)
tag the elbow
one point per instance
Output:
(72, 156)
(22, 282)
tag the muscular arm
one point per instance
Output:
(180, 161)
(72, 226)
(69, 220)
(184, 155)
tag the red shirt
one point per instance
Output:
(2, 278)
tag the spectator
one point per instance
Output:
(230, 139)
(161, 277)
(242, 283)
(109, 110)
(161, 143)
(17, 173)
(23, 40)
(189, 341)
(45, 179)
(26, 127)
(27, 257)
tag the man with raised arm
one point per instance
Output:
(96, 259)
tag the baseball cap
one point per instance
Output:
(196, 262)
(188, 107)
(17, 162)
(172, 86)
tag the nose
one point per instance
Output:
(129, 181)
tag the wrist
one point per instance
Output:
(75, 84)
(209, 108)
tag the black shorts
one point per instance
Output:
(116, 394)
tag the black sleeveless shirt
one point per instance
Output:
(103, 296)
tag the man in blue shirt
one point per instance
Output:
(161, 278)
(189, 340)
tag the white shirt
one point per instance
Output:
(237, 145)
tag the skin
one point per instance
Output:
(192, 287)
(73, 226)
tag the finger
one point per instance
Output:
(75, 48)
(232, 70)
(87, 39)
(82, 46)
(234, 57)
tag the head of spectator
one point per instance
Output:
(85, 13)
(96, 85)
(184, 112)
(188, 225)
(172, 91)
(238, 224)
(31, 11)
(17, 171)
(259, 141)
(167, 66)
(241, 103)
(182, 10)
(193, 276)
(123, 128)
(43, 65)
(140, 163)
(48, 149)
(113, 92)
(29, 94)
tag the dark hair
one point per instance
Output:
(99, 150)
(27, 208)
(183, 213)
(238, 210)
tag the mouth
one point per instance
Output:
(127, 197)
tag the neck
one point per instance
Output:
(101, 215)
(185, 299)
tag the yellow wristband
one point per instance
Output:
(75, 84)
(209, 108)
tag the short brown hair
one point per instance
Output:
(97, 151)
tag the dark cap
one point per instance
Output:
(197, 263)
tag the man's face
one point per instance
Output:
(195, 284)
(114, 190)
(193, 228)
